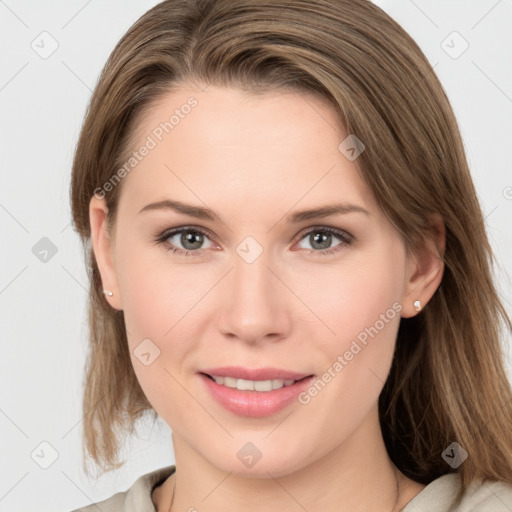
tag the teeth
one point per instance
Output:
(245, 385)
(229, 382)
(265, 385)
(252, 385)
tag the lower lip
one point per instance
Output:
(255, 404)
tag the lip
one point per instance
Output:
(255, 404)
(238, 372)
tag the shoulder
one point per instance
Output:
(489, 496)
(135, 499)
(440, 496)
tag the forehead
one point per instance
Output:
(277, 147)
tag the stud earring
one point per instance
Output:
(417, 305)
(106, 292)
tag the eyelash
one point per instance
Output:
(344, 238)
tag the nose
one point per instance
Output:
(256, 303)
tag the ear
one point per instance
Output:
(425, 268)
(103, 247)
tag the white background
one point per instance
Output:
(43, 322)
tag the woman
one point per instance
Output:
(289, 265)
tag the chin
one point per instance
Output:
(251, 462)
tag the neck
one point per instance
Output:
(357, 476)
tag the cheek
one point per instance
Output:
(152, 302)
(351, 297)
(360, 303)
(363, 309)
(156, 291)
(164, 308)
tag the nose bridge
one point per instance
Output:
(252, 279)
(256, 307)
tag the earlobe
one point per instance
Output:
(102, 246)
(425, 270)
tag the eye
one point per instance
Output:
(320, 240)
(190, 239)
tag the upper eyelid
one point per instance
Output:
(174, 231)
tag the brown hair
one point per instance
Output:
(447, 382)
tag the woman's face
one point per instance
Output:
(261, 287)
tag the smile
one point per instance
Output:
(251, 385)
(263, 395)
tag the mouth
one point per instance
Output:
(252, 385)
(255, 393)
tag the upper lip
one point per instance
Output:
(238, 372)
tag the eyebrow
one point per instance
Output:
(193, 211)
(204, 213)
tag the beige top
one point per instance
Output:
(438, 496)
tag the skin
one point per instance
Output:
(254, 159)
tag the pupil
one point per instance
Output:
(188, 238)
(323, 239)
